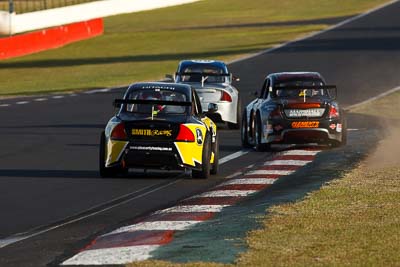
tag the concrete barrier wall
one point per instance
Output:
(70, 14)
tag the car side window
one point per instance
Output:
(264, 89)
(196, 105)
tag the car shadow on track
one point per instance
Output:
(84, 174)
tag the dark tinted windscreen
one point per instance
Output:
(157, 109)
(197, 72)
(280, 89)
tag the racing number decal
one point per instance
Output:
(199, 136)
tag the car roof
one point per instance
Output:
(290, 76)
(216, 63)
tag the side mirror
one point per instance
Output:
(169, 77)
(212, 108)
(236, 79)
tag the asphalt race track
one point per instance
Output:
(49, 145)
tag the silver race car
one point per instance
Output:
(213, 84)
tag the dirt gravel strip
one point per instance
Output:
(137, 241)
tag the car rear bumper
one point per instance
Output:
(283, 132)
(296, 136)
(153, 156)
(226, 111)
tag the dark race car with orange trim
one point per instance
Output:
(159, 126)
(294, 108)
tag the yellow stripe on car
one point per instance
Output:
(114, 151)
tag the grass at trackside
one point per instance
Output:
(352, 221)
(146, 45)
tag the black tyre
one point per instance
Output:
(104, 171)
(204, 173)
(335, 143)
(215, 165)
(235, 126)
(258, 133)
(344, 132)
(244, 134)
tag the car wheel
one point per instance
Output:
(335, 143)
(204, 173)
(215, 165)
(103, 170)
(344, 132)
(244, 134)
(258, 133)
(235, 126)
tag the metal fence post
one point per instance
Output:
(11, 6)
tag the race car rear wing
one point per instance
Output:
(119, 102)
(332, 89)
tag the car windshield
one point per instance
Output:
(283, 89)
(203, 73)
(154, 108)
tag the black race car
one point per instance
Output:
(293, 108)
(159, 126)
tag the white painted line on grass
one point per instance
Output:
(274, 172)
(155, 225)
(194, 208)
(233, 156)
(250, 181)
(119, 255)
(226, 193)
(287, 162)
(298, 152)
(22, 102)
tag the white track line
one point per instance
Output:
(105, 256)
(22, 102)
(287, 162)
(269, 50)
(19, 237)
(233, 156)
(40, 99)
(58, 96)
(226, 193)
(273, 172)
(4, 105)
(155, 225)
(298, 152)
(193, 208)
(373, 98)
(250, 181)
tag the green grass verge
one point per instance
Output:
(146, 45)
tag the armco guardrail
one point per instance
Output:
(12, 23)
